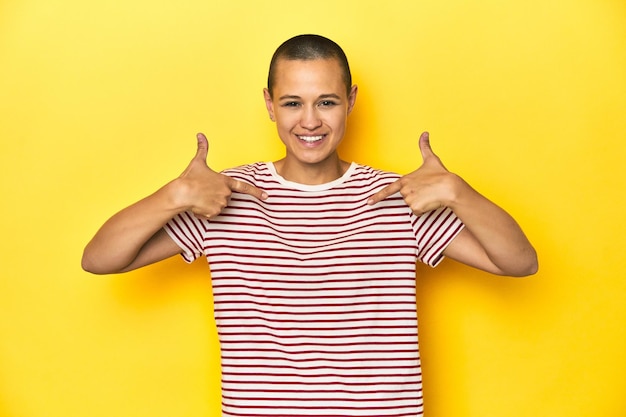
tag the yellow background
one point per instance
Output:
(99, 104)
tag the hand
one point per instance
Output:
(429, 187)
(205, 192)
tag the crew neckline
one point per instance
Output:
(307, 187)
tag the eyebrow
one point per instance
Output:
(323, 96)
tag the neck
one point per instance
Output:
(311, 174)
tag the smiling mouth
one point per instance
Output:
(311, 139)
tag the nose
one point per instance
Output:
(310, 118)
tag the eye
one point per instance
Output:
(327, 103)
(290, 104)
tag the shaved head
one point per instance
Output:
(309, 47)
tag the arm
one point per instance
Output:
(491, 241)
(134, 237)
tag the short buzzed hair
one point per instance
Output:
(309, 47)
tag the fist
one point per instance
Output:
(427, 188)
(206, 192)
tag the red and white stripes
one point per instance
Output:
(314, 294)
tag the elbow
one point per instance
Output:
(532, 264)
(535, 267)
(528, 266)
(526, 272)
(89, 264)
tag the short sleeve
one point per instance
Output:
(434, 231)
(189, 233)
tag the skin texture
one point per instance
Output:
(310, 101)
(491, 241)
(134, 237)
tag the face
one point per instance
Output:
(310, 106)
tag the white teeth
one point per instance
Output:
(310, 139)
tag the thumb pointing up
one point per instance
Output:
(428, 156)
(424, 144)
(203, 147)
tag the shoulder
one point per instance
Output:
(367, 171)
(256, 174)
(254, 168)
(365, 175)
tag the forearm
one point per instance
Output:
(491, 241)
(496, 232)
(120, 240)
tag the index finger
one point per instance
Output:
(245, 188)
(391, 189)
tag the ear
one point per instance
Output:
(352, 97)
(268, 103)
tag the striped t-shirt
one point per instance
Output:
(314, 294)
